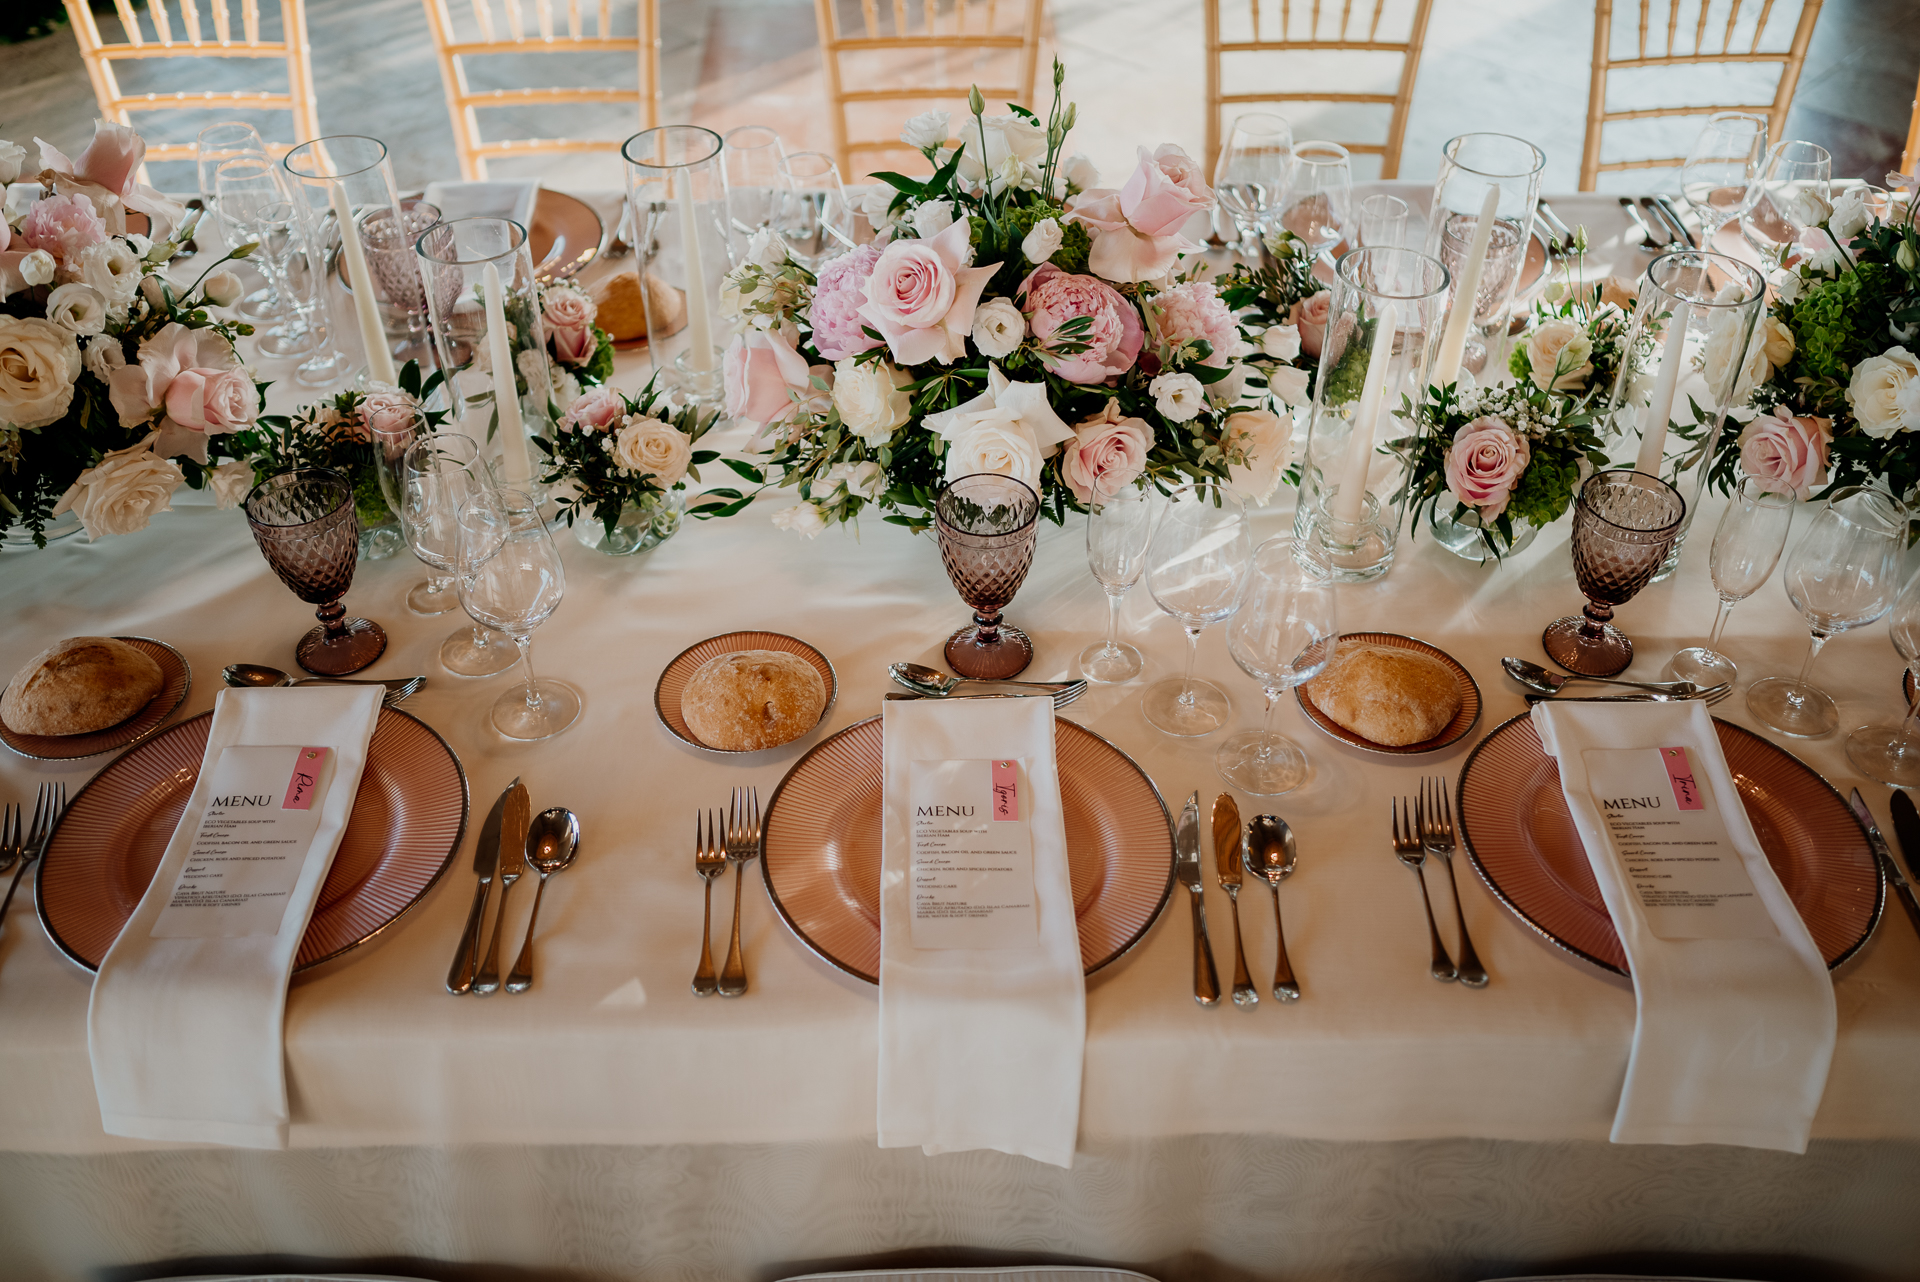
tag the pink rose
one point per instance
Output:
(212, 401)
(572, 345)
(110, 159)
(389, 416)
(568, 308)
(1137, 228)
(1107, 453)
(839, 331)
(1485, 463)
(922, 295)
(1310, 316)
(761, 371)
(1194, 311)
(1050, 298)
(1164, 192)
(104, 174)
(138, 390)
(63, 226)
(1788, 455)
(598, 409)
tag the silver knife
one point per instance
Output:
(1563, 234)
(486, 857)
(1667, 210)
(514, 819)
(1884, 857)
(1647, 240)
(1186, 846)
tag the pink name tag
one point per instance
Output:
(1006, 790)
(1686, 794)
(306, 778)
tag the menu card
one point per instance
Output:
(972, 856)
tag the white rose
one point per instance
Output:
(1716, 360)
(1009, 428)
(112, 268)
(1016, 147)
(1179, 397)
(1789, 288)
(928, 129)
(11, 154)
(998, 328)
(103, 356)
(38, 363)
(1850, 215)
(650, 445)
(870, 399)
(1289, 384)
(120, 493)
(1266, 440)
(1808, 208)
(1002, 446)
(1875, 390)
(38, 267)
(223, 289)
(1559, 355)
(1079, 171)
(876, 206)
(1043, 241)
(1282, 342)
(802, 518)
(863, 480)
(80, 308)
(230, 483)
(932, 218)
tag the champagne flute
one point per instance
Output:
(1383, 222)
(1117, 533)
(1283, 634)
(511, 581)
(1746, 547)
(214, 146)
(1319, 201)
(259, 204)
(1196, 564)
(1251, 176)
(438, 474)
(752, 154)
(1795, 182)
(1718, 176)
(810, 210)
(1890, 751)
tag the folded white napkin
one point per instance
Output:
(980, 1048)
(185, 1033)
(1734, 1036)
(513, 200)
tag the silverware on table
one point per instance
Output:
(1186, 846)
(553, 840)
(1228, 842)
(1906, 826)
(937, 684)
(1412, 853)
(1884, 857)
(1671, 213)
(1060, 700)
(743, 843)
(709, 860)
(48, 805)
(1709, 695)
(1546, 681)
(486, 858)
(1435, 814)
(243, 675)
(1271, 852)
(1563, 234)
(513, 862)
(1648, 241)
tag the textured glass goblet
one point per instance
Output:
(987, 525)
(303, 521)
(1623, 524)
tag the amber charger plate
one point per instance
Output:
(1522, 841)
(565, 235)
(820, 847)
(407, 820)
(1455, 730)
(136, 729)
(673, 681)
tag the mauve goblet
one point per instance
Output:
(1623, 524)
(303, 521)
(987, 525)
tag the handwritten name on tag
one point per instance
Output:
(972, 875)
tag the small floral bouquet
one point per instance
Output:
(614, 455)
(579, 352)
(1289, 305)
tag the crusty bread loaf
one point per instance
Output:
(623, 312)
(1393, 697)
(753, 699)
(81, 685)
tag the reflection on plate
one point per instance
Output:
(407, 819)
(820, 849)
(673, 681)
(138, 728)
(564, 237)
(1514, 820)
(1455, 730)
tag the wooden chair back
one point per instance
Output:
(1911, 155)
(503, 27)
(1689, 33)
(1244, 35)
(198, 29)
(910, 56)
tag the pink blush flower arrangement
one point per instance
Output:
(63, 226)
(1050, 298)
(1485, 463)
(839, 330)
(1194, 312)
(1785, 452)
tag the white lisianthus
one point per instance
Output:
(1009, 429)
(928, 129)
(876, 206)
(870, 399)
(1266, 442)
(651, 445)
(141, 245)
(866, 480)
(1289, 384)
(802, 518)
(1226, 391)
(1042, 241)
(1789, 288)
(998, 328)
(39, 362)
(154, 289)
(230, 483)
(38, 268)
(1875, 392)
(1079, 172)
(103, 356)
(223, 289)
(11, 156)
(1829, 259)
(1282, 342)
(1016, 148)
(1179, 397)
(766, 249)
(112, 268)
(121, 493)
(1808, 208)
(77, 307)
(1559, 355)
(1850, 215)
(932, 218)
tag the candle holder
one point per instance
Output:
(1689, 343)
(1471, 166)
(485, 306)
(344, 178)
(1375, 354)
(677, 191)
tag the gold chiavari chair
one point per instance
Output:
(910, 56)
(194, 35)
(1713, 44)
(510, 33)
(1911, 156)
(1246, 45)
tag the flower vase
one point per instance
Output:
(380, 537)
(644, 523)
(1463, 536)
(18, 538)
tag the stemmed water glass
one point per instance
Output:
(1623, 525)
(1195, 567)
(752, 154)
(1319, 200)
(511, 580)
(1890, 751)
(1746, 547)
(1383, 222)
(987, 524)
(1718, 176)
(1842, 574)
(1251, 176)
(1283, 634)
(1117, 533)
(257, 203)
(303, 521)
(213, 147)
(438, 475)
(1795, 184)
(810, 209)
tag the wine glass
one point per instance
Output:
(1718, 176)
(810, 209)
(1283, 634)
(511, 580)
(304, 523)
(438, 474)
(753, 154)
(1795, 183)
(213, 147)
(1842, 574)
(1319, 200)
(1196, 564)
(987, 524)
(1623, 524)
(1746, 547)
(258, 203)
(1251, 176)
(1383, 222)
(1117, 533)
(1890, 751)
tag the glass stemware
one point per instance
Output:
(1251, 176)
(256, 204)
(1117, 534)
(1319, 199)
(987, 525)
(304, 523)
(1383, 222)
(1718, 176)
(398, 286)
(1623, 524)
(1795, 183)
(511, 581)
(1890, 751)
(1283, 634)
(1843, 573)
(1746, 547)
(214, 146)
(438, 474)
(810, 209)
(753, 154)
(1195, 567)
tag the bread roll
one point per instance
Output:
(753, 699)
(622, 307)
(81, 685)
(1390, 696)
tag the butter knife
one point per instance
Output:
(486, 857)
(513, 861)
(1906, 826)
(1227, 856)
(1186, 864)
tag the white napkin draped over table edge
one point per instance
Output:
(979, 1048)
(1732, 1038)
(186, 1035)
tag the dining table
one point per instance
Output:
(608, 1123)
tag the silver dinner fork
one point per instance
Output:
(709, 860)
(743, 843)
(1406, 844)
(47, 809)
(1436, 834)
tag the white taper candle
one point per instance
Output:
(373, 334)
(515, 467)
(1653, 431)
(699, 328)
(1466, 293)
(1350, 502)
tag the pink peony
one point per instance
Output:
(63, 226)
(1309, 315)
(598, 409)
(1107, 454)
(1194, 311)
(1137, 228)
(1787, 455)
(1050, 298)
(921, 296)
(212, 401)
(839, 331)
(1485, 463)
(761, 371)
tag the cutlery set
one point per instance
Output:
(1672, 232)
(22, 843)
(732, 838)
(1426, 828)
(1266, 847)
(511, 840)
(243, 675)
(1541, 683)
(1906, 826)
(931, 683)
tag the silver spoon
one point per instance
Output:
(1272, 853)
(932, 681)
(1535, 677)
(553, 839)
(261, 676)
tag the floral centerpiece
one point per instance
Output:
(623, 462)
(579, 352)
(1012, 317)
